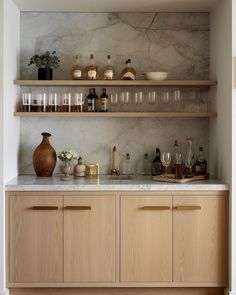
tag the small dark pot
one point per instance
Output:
(45, 74)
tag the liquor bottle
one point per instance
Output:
(128, 73)
(178, 167)
(201, 163)
(92, 70)
(146, 165)
(77, 71)
(127, 165)
(108, 71)
(157, 168)
(103, 101)
(92, 100)
(174, 156)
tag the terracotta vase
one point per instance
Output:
(44, 157)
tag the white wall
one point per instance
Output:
(9, 132)
(1, 153)
(221, 128)
(233, 201)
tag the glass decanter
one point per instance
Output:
(189, 160)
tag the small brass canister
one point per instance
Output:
(92, 169)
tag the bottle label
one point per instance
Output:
(103, 104)
(77, 74)
(108, 75)
(129, 76)
(91, 105)
(198, 168)
(92, 74)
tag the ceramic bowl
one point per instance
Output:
(156, 75)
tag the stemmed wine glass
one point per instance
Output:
(165, 160)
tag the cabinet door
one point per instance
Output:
(199, 239)
(89, 239)
(36, 241)
(146, 239)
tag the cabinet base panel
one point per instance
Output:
(117, 291)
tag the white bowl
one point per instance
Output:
(156, 75)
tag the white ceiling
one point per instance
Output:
(116, 5)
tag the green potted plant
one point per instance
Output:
(45, 63)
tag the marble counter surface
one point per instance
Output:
(107, 183)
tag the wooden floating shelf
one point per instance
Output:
(128, 83)
(120, 114)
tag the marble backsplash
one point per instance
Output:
(173, 42)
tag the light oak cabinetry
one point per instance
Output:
(117, 239)
(89, 239)
(199, 239)
(146, 238)
(36, 245)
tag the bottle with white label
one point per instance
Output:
(103, 101)
(77, 71)
(92, 70)
(108, 72)
(128, 73)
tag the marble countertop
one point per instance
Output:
(107, 183)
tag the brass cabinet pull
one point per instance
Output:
(44, 208)
(187, 207)
(77, 207)
(155, 208)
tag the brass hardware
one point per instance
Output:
(77, 207)
(155, 208)
(44, 208)
(187, 208)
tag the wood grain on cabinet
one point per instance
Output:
(89, 239)
(146, 238)
(36, 239)
(199, 239)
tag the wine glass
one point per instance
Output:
(138, 97)
(166, 96)
(124, 97)
(165, 160)
(152, 97)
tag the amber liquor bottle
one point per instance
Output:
(92, 70)
(128, 73)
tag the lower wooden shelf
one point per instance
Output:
(120, 114)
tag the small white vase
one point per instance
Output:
(67, 170)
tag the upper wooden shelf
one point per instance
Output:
(167, 83)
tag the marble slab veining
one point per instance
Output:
(173, 42)
(103, 183)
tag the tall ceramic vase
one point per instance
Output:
(44, 157)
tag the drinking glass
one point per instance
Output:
(138, 97)
(166, 97)
(177, 96)
(165, 160)
(78, 102)
(152, 97)
(53, 102)
(114, 99)
(66, 102)
(124, 97)
(26, 102)
(39, 102)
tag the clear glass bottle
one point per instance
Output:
(174, 155)
(77, 71)
(146, 165)
(103, 101)
(157, 168)
(108, 71)
(92, 70)
(189, 160)
(92, 100)
(201, 163)
(127, 166)
(128, 73)
(178, 167)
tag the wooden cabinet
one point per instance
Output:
(55, 241)
(36, 244)
(199, 239)
(146, 238)
(83, 239)
(89, 239)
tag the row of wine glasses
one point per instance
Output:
(125, 97)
